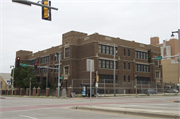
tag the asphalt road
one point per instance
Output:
(54, 108)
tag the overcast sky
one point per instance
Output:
(21, 26)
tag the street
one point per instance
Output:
(46, 108)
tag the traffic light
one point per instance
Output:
(149, 55)
(35, 66)
(46, 12)
(18, 61)
(97, 78)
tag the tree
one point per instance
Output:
(44, 85)
(22, 77)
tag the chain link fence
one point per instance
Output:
(106, 86)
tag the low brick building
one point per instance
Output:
(131, 59)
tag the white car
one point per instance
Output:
(172, 91)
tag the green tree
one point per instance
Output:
(44, 85)
(22, 77)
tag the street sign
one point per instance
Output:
(61, 77)
(158, 58)
(24, 65)
(12, 88)
(59, 84)
(96, 84)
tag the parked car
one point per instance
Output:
(172, 91)
(150, 91)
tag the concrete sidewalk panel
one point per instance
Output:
(139, 112)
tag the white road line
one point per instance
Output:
(27, 116)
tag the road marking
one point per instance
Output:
(27, 116)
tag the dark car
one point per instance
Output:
(150, 91)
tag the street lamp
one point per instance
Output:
(56, 55)
(179, 51)
(12, 79)
(30, 87)
(136, 83)
(115, 52)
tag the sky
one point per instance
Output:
(22, 28)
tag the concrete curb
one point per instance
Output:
(125, 111)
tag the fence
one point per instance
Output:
(106, 86)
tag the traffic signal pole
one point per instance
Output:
(27, 2)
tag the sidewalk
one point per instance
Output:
(140, 112)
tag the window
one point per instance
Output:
(45, 59)
(111, 65)
(139, 55)
(128, 66)
(32, 62)
(44, 70)
(103, 63)
(143, 80)
(66, 52)
(128, 52)
(107, 64)
(103, 49)
(129, 79)
(107, 49)
(142, 67)
(111, 50)
(156, 62)
(57, 66)
(66, 70)
(124, 78)
(57, 56)
(142, 55)
(136, 54)
(100, 64)
(145, 69)
(109, 78)
(124, 65)
(124, 52)
(139, 67)
(99, 48)
(157, 75)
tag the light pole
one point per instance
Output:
(58, 71)
(30, 87)
(136, 84)
(179, 51)
(114, 68)
(12, 79)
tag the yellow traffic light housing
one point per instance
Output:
(46, 12)
(97, 78)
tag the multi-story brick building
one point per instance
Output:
(131, 59)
